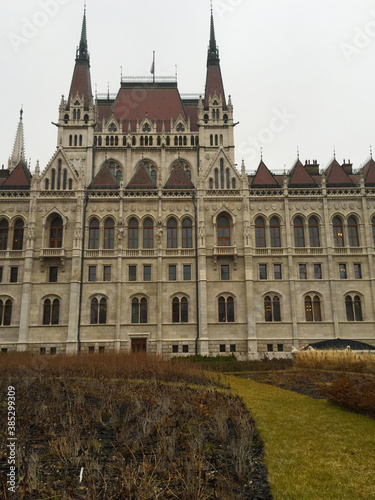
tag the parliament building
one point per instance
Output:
(142, 235)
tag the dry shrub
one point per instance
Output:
(347, 361)
(356, 393)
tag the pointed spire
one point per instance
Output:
(213, 51)
(83, 53)
(214, 80)
(18, 154)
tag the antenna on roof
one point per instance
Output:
(334, 152)
(261, 149)
(298, 152)
(121, 72)
(371, 151)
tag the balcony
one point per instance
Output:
(230, 251)
(52, 253)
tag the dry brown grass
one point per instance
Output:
(346, 361)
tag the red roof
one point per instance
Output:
(179, 180)
(300, 177)
(19, 178)
(214, 84)
(141, 180)
(369, 172)
(104, 179)
(81, 83)
(264, 178)
(336, 176)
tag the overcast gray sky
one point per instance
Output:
(300, 72)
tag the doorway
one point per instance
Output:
(139, 345)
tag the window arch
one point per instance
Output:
(5, 312)
(227, 178)
(172, 233)
(260, 233)
(56, 233)
(314, 232)
(18, 234)
(116, 171)
(338, 232)
(373, 230)
(53, 178)
(216, 178)
(94, 234)
(4, 229)
(275, 233)
(312, 308)
(353, 308)
(353, 232)
(148, 234)
(109, 234)
(133, 234)
(51, 311)
(187, 233)
(299, 233)
(46, 184)
(180, 310)
(98, 311)
(226, 310)
(139, 310)
(272, 308)
(223, 231)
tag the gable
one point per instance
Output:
(264, 178)
(141, 180)
(299, 177)
(179, 180)
(103, 179)
(20, 178)
(59, 173)
(369, 173)
(336, 176)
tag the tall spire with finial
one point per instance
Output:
(83, 52)
(213, 51)
(18, 154)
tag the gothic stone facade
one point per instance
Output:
(141, 234)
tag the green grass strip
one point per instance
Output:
(314, 450)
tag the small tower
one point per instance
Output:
(18, 155)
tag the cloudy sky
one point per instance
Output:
(300, 72)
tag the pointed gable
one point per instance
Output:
(336, 176)
(299, 177)
(141, 180)
(104, 179)
(264, 178)
(20, 178)
(369, 173)
(179, 180)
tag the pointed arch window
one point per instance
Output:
(5, 312)
(139, 310)
(94, 234)
(53, 178)
(172, 233)
(223, 231)
(109, 234)
(226, 310)
(312, 308)
(227, 177)
(18, 234)
(299, 234)
(338, 232)
(275, 233)
(133, 234)
(148, 234)
(216, 178)
(272, 309)
(56, 233)
(222, 173)
(4, 229)
(353, 232)
(98, 311)
(187, 233)
(373, 230)
(65, 178)
(314, 232)
(260, 233)
(51, 312)
(180, 310)
(353, 308)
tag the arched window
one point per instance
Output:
(148, 234)
(222, 173)
(272, 309)
(223, 231)
(109, 234)
(46, 184)
(80, 140)
(353, 232)
(94, 234)
(176, 140)
(187, 233)
(211, 183)
(314, 232)
(216, 178)
(299, 234)
(172, 233)
(51, 312)
(373, 230)
(139, 310)
(226, 310)
(56, 233)
(99, 141)
(312, 309)
(116, 140)
(134, 141)
(53, 177)
(5, 312)
(275, 233)
(124, 141)
(65, 178)
(338, 232)
(227, 178)
(75, 140)
(98, 311)
(70, 184)
(192, 140)
(180, 310)
(233, 183)
(168, 141)
(18, 235)
(260, 233)
(133, 234)
(153, 175)
(353, 308)
(4, 228)
(216, 140)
